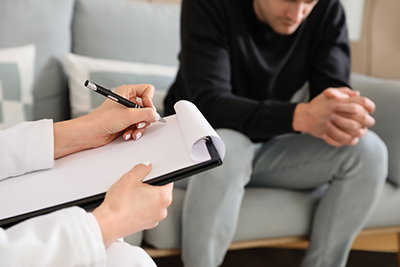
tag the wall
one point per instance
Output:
(378, 52)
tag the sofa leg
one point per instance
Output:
(398, 249)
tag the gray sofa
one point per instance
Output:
(115, 32)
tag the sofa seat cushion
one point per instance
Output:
(265, 213)
(386, 212)
(271, 213)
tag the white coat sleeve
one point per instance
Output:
(68, 237)
(26, 147)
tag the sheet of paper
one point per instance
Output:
(195, 127)
(92, 172)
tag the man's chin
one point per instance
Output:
(286, 30)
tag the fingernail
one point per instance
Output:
(158, 117)
(141, 125)
(127, 136)
(138, 135)
(146, 162)
(155, 108)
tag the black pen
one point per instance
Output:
(117, 98)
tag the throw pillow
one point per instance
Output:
(47, 25)
(111, 74)
(16, 83)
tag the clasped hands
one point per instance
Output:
(340, 116)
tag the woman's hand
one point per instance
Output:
(107, 122)
(131, 206)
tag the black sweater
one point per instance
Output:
(241, 74)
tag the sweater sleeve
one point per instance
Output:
(331, 65)
(69, 237)
(26, 147)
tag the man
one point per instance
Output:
(241, 63)
(73, 237)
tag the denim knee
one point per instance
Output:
(239, 156)
(371, 155)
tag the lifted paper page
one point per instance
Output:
(195, 128)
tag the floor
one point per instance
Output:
(276, 257)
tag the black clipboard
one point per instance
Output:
(92, 202)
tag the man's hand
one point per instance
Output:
(107, 122)
(339, 116)
(131, 206)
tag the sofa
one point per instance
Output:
(49, 48)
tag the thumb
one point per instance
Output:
(334, 93)
(340, 92)
(141, 170)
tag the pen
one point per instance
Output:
(117, 98)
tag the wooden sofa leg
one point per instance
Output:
(398, 249)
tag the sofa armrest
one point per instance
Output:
(386, 95)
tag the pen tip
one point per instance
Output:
(162, 120)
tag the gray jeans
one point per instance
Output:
(355, 174)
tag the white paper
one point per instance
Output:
(195, 127)
(92, 172)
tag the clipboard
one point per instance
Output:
(194, 138)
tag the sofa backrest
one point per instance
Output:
(124, 31)
(141, 39)
(45, 24)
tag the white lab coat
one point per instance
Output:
(68, 237)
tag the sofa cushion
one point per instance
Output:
(47, 25)
(133, 31)
(265, 213)
(386, 213)
(111, 74)
(16, 84)
(385, 93)
(271, 213)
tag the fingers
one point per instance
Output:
(351, 126)
(133, 133)
(355, 112)
(127, 135)
(168, 188)
(336, 137)
(329, 140)
(166, 194)
(350, 105)
(339, 135)
(143, 91)
(351, 96)
(138, 116)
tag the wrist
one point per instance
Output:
(71, 136)
(106, 224)
(300, 118)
